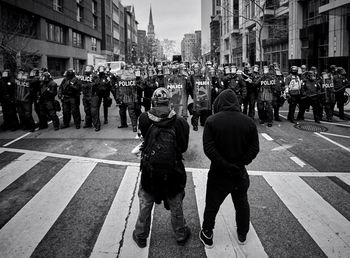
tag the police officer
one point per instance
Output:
(86, 86)
(310, 89)
(238, 85)
(34, 84)
(340, 84)
(267, 84)
(24, 101)
(8, 101)
(250, 99)
(48, 91)
(126, 96)
(278, 96)
(328, 98)
(101, 88)
(69, 93)
(292, 91)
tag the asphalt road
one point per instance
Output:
(74, 194)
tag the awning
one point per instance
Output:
(344, 5)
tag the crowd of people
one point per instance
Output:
(133, 86)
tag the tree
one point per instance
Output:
(16, 31)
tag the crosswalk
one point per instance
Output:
(55, 205)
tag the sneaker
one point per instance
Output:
(140, 242)
(242, 239)
(269, 124)
(195, 128)
(122, 126)
(134, 129)
(206, 236)
(106, 122)
(182, 241)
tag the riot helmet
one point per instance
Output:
(294, 70)
(159, 70)
(256, 69)
(70, 73)
(6, 73)
(303, 68)
(89, 69)
(311, 75)
(233, 69)
(46, 76)
(212, 71)
(266, 69)
(20, 74)
(34, 73)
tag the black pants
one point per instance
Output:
(70, 106)
(9, 115)
(47, 110)
(265, 111)
(201, 116)
(217, 191)
(133, 111)
(249, 104)
(307, 102)
(293, 102)
(25, 110)
(87, 109)
(339, 98)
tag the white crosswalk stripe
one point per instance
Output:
(24, 231)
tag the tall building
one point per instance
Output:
(197, 45)
(55, 34)
(150, 32)
(118, 31)
(206, 12)
(141, 45)
(170, 48)
(131, 26)
(188, 44)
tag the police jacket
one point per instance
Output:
(340, 82)
(310, 88)
(101, 86)
(70, 87)
(7, 90)
(23, 91)
(238, 85)
(48, 91)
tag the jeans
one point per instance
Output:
(143, 223)
(217, 191)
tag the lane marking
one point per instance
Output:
(345, 178)
(225, 238)
(334, 142)
(336, 135)
(24, 135)
(298, 161)
(322, 122)
(108, 241)
(267, 137)
(325, 224)
(188, 169)
(20, 236)
(17, 168)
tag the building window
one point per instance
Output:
(80, 13)
(58, 5)
(218, 2)
(77, 40)
(94, 7)
(55, 33)
(93, 44)
(94, 22)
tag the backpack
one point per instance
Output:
(294, 86)
(159, 152)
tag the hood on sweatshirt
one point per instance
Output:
(162, 115)
(226, 101)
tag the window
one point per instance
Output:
(94, 22)
(218, 2)
(80, 14)
(58, 5)
(55, 33)
(93, 44)
(94, 7)
(77, 40)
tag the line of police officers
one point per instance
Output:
(133, 86)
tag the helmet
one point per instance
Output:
(311, 75)
(256, 69)
(160, 96)
(6, 73)
(89, 69)
(212, 71)
(332, 68)
(294, 69)
(303, 68)
(46, 76)
(233, 69)
(34, 72)
(159, 70)
(208, 63)
(265, 69)
(70, 73)
(20, 74)
(101, 69)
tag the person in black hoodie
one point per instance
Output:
(152, 188)
(230, 141)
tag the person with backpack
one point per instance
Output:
(230, 141)
(163, 176)
(293, 87)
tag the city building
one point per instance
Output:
(118, 31)
(141, 45)
(197, 45)
(188, 45)
(206, 12)
(130, 25)
(56, 34)
(154, 51)
(170, 48)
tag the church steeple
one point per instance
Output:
(150, 24)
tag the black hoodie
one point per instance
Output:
(230, 138)
(164, 117)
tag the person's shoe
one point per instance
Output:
(106, 122)
(31, 130)
(261, 122)
(64, 126)
(269, 124)
(122, 126)
(182, 240)
(97, 129)
(56, 128)
(195, 128)
(77, 126)
(206, 236)
(87, 126)
(134, 129)
(242, 239)
(43, 127)
(140, 242)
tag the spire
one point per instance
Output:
(150, 24)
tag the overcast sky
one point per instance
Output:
(171, 18)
